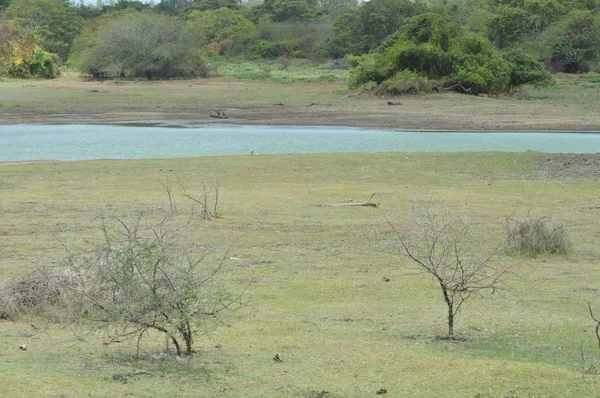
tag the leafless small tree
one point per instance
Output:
(444, 247)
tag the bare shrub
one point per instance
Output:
(147, 275)
(443, 246)
(535, 236)
(34, 293)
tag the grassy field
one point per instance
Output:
(317, 296)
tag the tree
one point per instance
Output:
(54, 21)
(526, 69)
(365, 27)
(444, 247)
(290, 10)
(509, 26)
(146, 275)
(137, 44)
(436, 49)
(574, 43)
(22, 57)
(334, 8)
(173, 7)
(204, 5)
(220, 24)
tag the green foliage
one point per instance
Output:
(526, 69)
(22, 57)
(365, 27)
(4, 4)
(134, 44)
(430, 28)
(282, 70)
(204, 5)
(509, 26)
(284, 39)
(334, 8)
(53, 21)
(407, 82)
(173, 7)
(426, 59)
(430, 47)
(477, 65)
(365, 70)
(291, 10)
(575, 43)
(244, 70)
(220, 24)
(285, 10)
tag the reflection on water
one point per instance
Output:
(85, 142)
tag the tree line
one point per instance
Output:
(483, 45)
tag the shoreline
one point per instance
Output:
(266, 103)
(196, 124)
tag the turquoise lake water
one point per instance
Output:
(86, 142)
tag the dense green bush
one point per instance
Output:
(138, 44)
(53, 21)
(478, 66)
(526, 69)
(435, 49)
(365, 27)
(407, 82)
(217, 25)
(365, 69)
(22, 57)
(575, 43)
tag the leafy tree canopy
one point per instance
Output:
(54, 21)
(21, 56)
(217, 25)
(434, 48)
(137, 44)
(365, 27)
(204, 5)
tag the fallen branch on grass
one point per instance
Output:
(455, 87)
(368, 203)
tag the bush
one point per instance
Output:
(22, 57)
(526, 69)
(33, 294)
(365, 70)
(407, 83)
(575, 43)
(137, 44)
(534, 236)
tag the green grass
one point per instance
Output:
(296, 71)
(317, 296)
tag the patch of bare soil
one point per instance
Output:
(569, 165)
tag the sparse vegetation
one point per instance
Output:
(533, 236)
(443, 246)
(318, 298)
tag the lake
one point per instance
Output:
(87, 142)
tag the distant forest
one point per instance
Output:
(482, 45)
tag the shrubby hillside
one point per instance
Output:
(486, 46)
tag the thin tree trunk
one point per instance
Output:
(450, 320)
(450, 305)
(177, 346)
